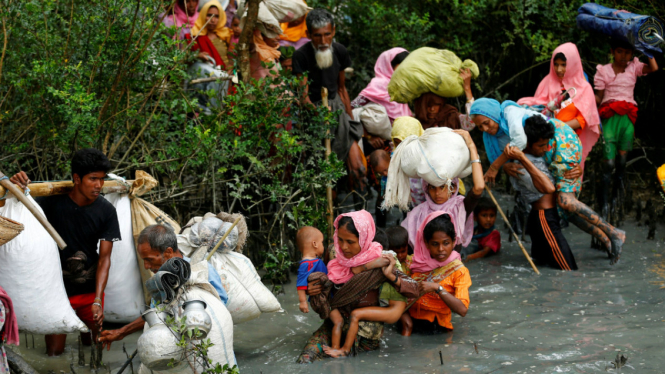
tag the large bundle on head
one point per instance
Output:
(31, 274)
(429, 70)
(643, 32)
(272, 13)
(438, 156)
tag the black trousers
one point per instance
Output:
(549, 246)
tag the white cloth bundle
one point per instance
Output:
(438, 157)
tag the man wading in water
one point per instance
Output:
(82, 219)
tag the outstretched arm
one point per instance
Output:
(480, 254)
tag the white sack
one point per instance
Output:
(123, 296)
(287, 10)
(31, 273)
(266, 22)
(221, 332)
(438, 156)
(374, 119)
(248, 296)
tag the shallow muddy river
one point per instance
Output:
(518, 322)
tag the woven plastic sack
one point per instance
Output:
(429, 70)
(248, 296)
(31, 273)
(210, 231)
(438, 156)
(123, 296)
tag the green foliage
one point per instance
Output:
(109, 75)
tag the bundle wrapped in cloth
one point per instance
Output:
(274, 12)
(429, 70)
(438, 156)
(248, 296)
(643, 32)
(164, 285)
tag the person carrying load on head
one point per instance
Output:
(446, 197)
(83, 219)
(577, 108)
(324, 61)
(615, 86)
(294, 33)
(503, 124)
(156, 245)
(373, 107)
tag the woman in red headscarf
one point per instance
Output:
(580, 112)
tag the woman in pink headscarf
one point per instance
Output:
(183, 16)
(443, 198)
(376, 93)
(443, 280)
(580, 113)
(357, 285)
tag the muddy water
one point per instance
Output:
(518, 322)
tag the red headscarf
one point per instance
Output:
(585, 100)
(339, 269)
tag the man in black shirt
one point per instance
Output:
(324, 62)
(82, 219)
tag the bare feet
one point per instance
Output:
(617, 245)
(335, 353)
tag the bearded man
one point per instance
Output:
(324, 62)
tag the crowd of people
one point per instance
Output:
(412, 274)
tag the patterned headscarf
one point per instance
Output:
(422, 261)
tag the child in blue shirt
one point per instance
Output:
(309, 241)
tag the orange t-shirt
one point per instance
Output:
(430, 306)
(569, 113)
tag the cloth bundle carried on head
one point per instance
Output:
(438, 157)
(164, 285)
(429, 70)
(636, 29)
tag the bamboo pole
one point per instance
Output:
(223, 238)
(64, 187)
(512, 231)
(11, 187)
(324, 98)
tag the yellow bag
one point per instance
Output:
(429, 70)
(145, 214)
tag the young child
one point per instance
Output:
(235, 28)
(382, 238)
(614, 84)
(486, 240)
(398, 239)
(309, 241)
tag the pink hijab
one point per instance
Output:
(454, 205)
(339, 269)
(377, 89)
(422, 261)
(584, 100)
(179, 19)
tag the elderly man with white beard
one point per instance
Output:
(324, 62)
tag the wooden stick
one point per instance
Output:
(223, 238)
(512, 231)
(64, 187)
(324, 98)
(33, 209)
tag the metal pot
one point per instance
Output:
(196, 317)
(158, 344)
